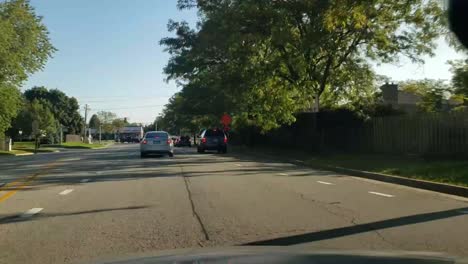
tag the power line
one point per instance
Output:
(131, 107)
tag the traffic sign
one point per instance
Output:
(226, 119)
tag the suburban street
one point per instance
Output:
(88, 205)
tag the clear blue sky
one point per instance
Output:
(109, 48)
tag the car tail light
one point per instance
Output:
(203, 140)
(169, 141)
(144, 142)
(225, 139)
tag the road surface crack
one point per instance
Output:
(352, 219)
(192, 205)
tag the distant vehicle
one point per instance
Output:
(183, 141)
(130, 134)
(213, 139)
(156, 142)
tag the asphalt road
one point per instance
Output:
(91, 205)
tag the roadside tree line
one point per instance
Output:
(24, 49)
(264, 61)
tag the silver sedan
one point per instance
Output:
(156, 142)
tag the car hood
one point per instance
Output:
(280, 255)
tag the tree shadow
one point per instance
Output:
(20, 218)
(360, 228)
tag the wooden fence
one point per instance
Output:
(419, 134)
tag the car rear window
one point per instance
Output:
(156, 135)
(214, 133)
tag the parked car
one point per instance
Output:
(213, 139)
(183, 141)
(156, 142)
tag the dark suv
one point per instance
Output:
(213, 139)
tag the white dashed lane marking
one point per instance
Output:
(382, 194)
(283, 174)
(326, 183)
(239, 165)
(84, 180)
(65, 192)
(31, 212)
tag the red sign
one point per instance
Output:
(226, 119)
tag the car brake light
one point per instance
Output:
(144, 141)
(225, 139)
(169, 141)
(203, 140)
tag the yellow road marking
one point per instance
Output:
(23, 182)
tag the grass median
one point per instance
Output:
(78, 145)
(28, 147)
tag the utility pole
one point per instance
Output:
(84, 122)
(100, 133)
(61, 134)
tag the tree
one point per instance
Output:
(42, 120)
(279, 57)
(107, 119)
(94, 122)
(64, 108)
(10, 105)
(119, 123)
(24, 46)
(460, 79)
(24, 49)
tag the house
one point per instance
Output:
(406, 101)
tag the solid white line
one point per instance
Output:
(283, 174)
(65, 192)
(31, 212)
(326, 183)
(84, 180)
(382, 194)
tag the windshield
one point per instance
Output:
(134, 127)
(157, 135)
(214, 133)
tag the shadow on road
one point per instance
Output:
(119, 164)
(19, 218)
(359, 228)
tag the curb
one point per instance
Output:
(23, 154)
(420, 184)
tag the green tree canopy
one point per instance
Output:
(265, 60)
(10, 105)
(24, 44)
(94, 122)
(24, 49)
(65, 109)
(460, 79)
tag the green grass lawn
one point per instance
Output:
(13, 152)
(77, 145)
(445, 171)
(29, 147)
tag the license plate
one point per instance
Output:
(157, 142)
